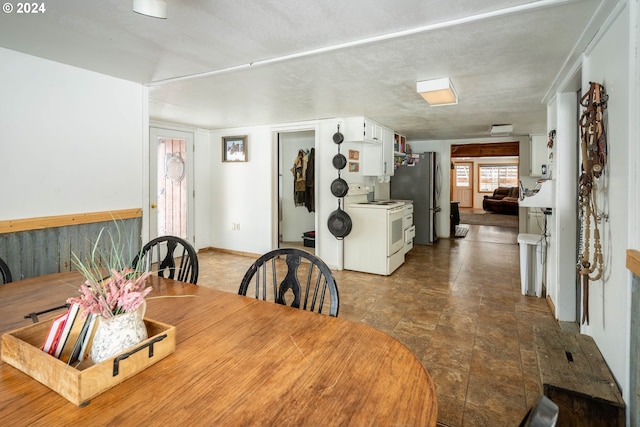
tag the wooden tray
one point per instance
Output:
(21, 349)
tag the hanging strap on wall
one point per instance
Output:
(593, 147)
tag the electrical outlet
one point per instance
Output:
(235, 226)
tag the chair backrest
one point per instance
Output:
(162, 253)
(544, 413)
(5, 273)
(273, 277)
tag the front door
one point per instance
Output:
(171, 183)
(462, 188)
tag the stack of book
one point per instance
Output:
(69, 338)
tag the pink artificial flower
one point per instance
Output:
(122, 292)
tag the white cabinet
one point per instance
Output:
(378, 145)
(353, 129)
(372, 160)
(539, 154)
(372, 132)
(361, 129)
(409, 227)
(378, 158)
(388, 157)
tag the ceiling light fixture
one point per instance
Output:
(153, 8)
(437, 92)
(501, 130)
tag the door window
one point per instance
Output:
(171, 183)
(172, 187)
(463, 175)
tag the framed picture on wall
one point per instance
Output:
(354, 167)
(234, 148)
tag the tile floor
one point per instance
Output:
(457, 306)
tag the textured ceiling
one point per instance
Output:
(228, 63)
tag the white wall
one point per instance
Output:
(203, 204)
(245, 193)
(72, 139)
(242, 192)
(562, 253)
(608, 63)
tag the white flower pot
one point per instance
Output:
(116, 334)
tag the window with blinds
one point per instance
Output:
(463, 175)
(494, 176)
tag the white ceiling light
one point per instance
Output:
(437, 92)
(153, 8)
(501, 130)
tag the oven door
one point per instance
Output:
(395, 230)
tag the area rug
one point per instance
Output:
(488, 218)
(461, 230)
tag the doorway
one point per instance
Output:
(296, 217)
(171, 184)
(476, 170)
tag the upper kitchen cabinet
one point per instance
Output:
(388, 154)
(361, 129)
(378, 145)
(378, 159)
(372, 160)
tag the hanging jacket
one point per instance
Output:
(299, 171)
(309, 199)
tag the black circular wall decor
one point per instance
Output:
(339, 187)
(339, 223)
(339, 161)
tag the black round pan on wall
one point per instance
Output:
(338, 137)
(339, 161)
(339, 187)
(339, 223)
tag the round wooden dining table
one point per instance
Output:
(238, 361)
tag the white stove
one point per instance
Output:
(358, 196)
(357, 193)
(376, 242)
(380, 204)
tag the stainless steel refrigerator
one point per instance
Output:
(420, 180)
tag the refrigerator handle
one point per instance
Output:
(438, 186)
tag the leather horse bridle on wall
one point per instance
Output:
(593, 145)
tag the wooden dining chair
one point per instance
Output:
(163, 252)
(5, 272)
(281, 271)
(544, 413)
